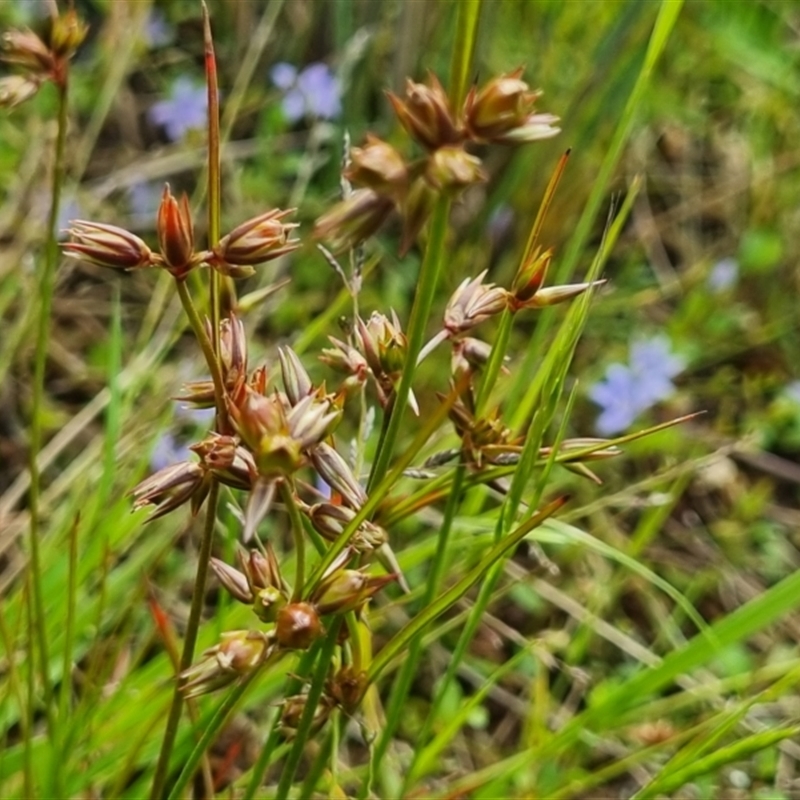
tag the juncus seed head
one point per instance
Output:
(451, 168)
(379, 166)
(297, 626)
(260, 239)
(346, 590)
(426, 114)
(107, 246)
(502, 111)
(473, 302)
(176, 234)
(354, 219)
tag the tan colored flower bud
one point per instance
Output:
(232, 350)
(473, 302)
(262, 238)
(296, 380)
(345, 358)
(171, 487)
(27, 50)
(231, 463)
(297, 626)
(335, 471)
(235, 582)
(176, 234)
(353, 219)
(348, 687)
(502, 111)
(237, 654)
(450, 169)
(312, 420)
(16, 89)
(347, 590)
(383, 343)
(426, 114)
(553, 295)
(379, 166)
(107, 246)
(293, 709)
(67, 33)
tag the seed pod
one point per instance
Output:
(297, 626)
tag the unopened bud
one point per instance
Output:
(426, 114)
(354, 219)
(473, 302)
(107, 246)
(16, 89)
(453, 168)
(296, 380)
(502, 111)
(378, 166)
(262, 238)
(346, 590)
(237, 654)
(294, 708)
(335, 471)
(67, 33)
(27, 50)
(297, 626)
(235, 582)
(175, 233)
(531, 275)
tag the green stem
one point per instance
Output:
(205, 344)
(299, 541)
(189, 642)
(420, 312)
(312, 700)
(212, 731)
(46, 286)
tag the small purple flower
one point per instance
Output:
(723, 275)
(627, 391)
(314, 92)
(185, 109)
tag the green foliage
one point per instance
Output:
(638, 641)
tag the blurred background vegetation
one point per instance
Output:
(708, 262)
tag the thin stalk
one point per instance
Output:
(402, 683)
(46, 286)
(420, 312)
(299, 540)
(189, 642)
(211, 732)
(312, 699)
(214, 186)
(205, 343)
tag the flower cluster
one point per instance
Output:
(256, 241)
(628, 390)
(39, 56)
(502, 112)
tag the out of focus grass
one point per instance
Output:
(583, 679)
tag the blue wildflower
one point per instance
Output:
(628, 390)
(723, 275)
(314, 92)
(184, 109)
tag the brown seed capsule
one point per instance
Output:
(107, 246)
(297, 626)
(353, 219)
(379, 166)
(426, 114)
(176, 234)
(452, 168)
(262, 238)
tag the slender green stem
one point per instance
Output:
(312, 700)
(299, 540)
(420, 312)
(46, 286)
(402, 683)
(461, 62)
(205, 343)
(211, 731)
(192, 628)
